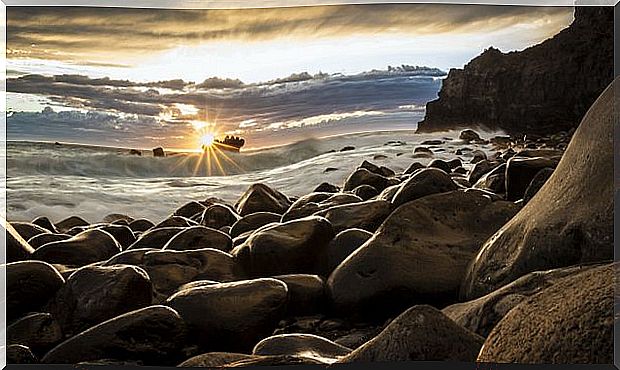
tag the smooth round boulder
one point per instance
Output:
(151, 335)
(326, 187)
(19, 354)
(520, 171)
(414, 167)
(469, 135)
(537, 182)
(440, 164)
(341, 247)
(93, 294)
(199, 237)
(123, 234)
(307, 345)
(28, 230)
(252, 222)
(189, 209)
(480, 169)
(365, 192)
(422, 333)
(140, 225)
(578, 227)
(175, 221)
(128, 257)
(362, 176)
(419, 254)
(231, 316)
(262, 198)
(570, 322)
(218, 216)
(69, 223)
(155, 238)
(422, 183)
(306, 294)
(45, 223)
(85, 248)
(296, 246)
(366, 215)
(29, 285)
(316, 202)
(494, 180)
(42, 239)
(37, 331)
(114, 218)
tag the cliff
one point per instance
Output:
(543, 89)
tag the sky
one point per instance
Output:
(146, 77)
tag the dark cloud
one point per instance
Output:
(97, 34)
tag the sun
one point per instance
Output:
(207, 140)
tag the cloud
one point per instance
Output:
(87, 35)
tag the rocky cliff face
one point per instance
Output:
(543, 89)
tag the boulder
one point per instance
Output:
(159, 152)
(94, 294)
(326, 187)
(140, 225)
(232, 315)
(578, 228)
(69, 223)
(28, 230)
(116, 217)
(17, 249)
(296, 246)
(365, 192)
(156, 238)
(482, 314)
(343, 244)
(440, 164)
(199, 237)
(362, 176)
(422, 333)
(519, 174)
(214, 359)
(306, 294)
(537, 182)
(494, 180)
(175, 221)
(37, 331)
(29, 285)
(189, 209)
(414, 167)
(419, 254)
(307, 345)
(570, 322)
(262, 198)
(218, 216)
(366, 215)
(151, 335)
(45, 223)
(42, 239)
(86, 247)
(477, 156)
(19, 354)
(316, 202)
(280, 360)
(480, 169)
(469, 135)
(422, 183)
(252, 222)
(379, 170)
(122, 233)
(128, 257)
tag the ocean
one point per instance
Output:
(57, 181)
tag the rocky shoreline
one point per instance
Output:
(436, 263)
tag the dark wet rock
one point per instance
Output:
(330, 169)
(501, 141)
(440, 164)
(94, 294)
(69, 223)
(365, 192)
(326, 187)
(469, 135)
(27, 230)
(306, 293)
(214, 359)
(29, 285)
(443, 230)
(577, 228)
(460, 170)
(489, 194)
(379, 157)
(140, 225)
(199, 237)
(86, 247)
(454, 163)
(156, 238)
(37, 331)
(129, 257)
(537, 182)
(414, 167)
(45, 223)
(480, 169)
(343, 244)
(519, 174)
(494, 180)
(432, 142)
(316, 202)
(545, 153)
(292, 247)
(17, 249)
(347, 148)
(519, 82)
(218, 216)
(422, 333)
(175, 221)
(123, 234)
(461, 182)
(482, 314)
(189, 209)
(19, 354)
(379, 170)
(477, 156)
(542, 330)
(423, 183)
(362, 176)
(366, 215)
(232, 315)
(253, 221)
(388, 193)
(169, 269)
(261, 198)
(152, 335)
(308, 345)
(159, 152)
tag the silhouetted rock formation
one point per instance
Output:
(546, 88)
